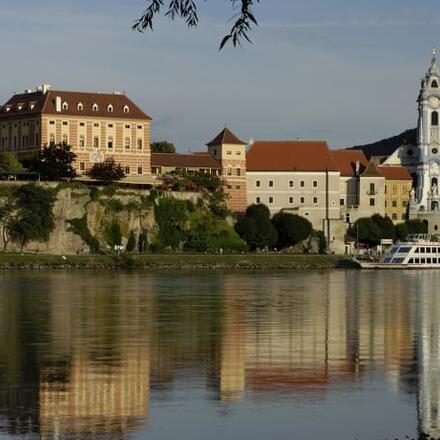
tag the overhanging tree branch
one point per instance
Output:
(187, 10)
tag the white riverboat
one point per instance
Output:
(419, 251)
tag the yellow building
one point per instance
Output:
(96, 125)
(398, 184)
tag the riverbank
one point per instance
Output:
(177, 262)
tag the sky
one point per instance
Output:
(345, 71)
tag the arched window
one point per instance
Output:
(127, 143)
(434, 84)
(95, 107)
(434, 118)
(96, 142)
(51, 139)
(82, 142)
(434, 181)
(110, 108)
(139, 144)
(110, 143)
(65, 105)
(65, 140)
(80, 106)
(126, 109)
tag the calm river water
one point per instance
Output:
(304, 355)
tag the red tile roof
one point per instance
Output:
(45, 103)
(225, 137)
(290, 156)
(347, 159)
(184, 160)
(394, 172)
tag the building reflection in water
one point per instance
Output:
(81, 361)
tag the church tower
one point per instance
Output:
(426, 199)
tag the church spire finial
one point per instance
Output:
(434, 55)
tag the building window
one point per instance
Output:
(127, 169)
(65, 123)
(434, 84)
(270, 183)
(96, 142)
(342, 202)
(65, 140)
(110, 143)
(127, 126)
(139, 144)
(229, 153)
(126, 109)
(80, 107)
(156, 170)
(238, 171)
(302, 200)
(81, 142)
(258, 200)
(51, 139)
(229, 172)
(394, 203)
(95, 107)
(82, 124)
(110, 125)
(315, 200)
(139, 127)
(404, 203)
(96, 124)
(238, 153)
(37, 139)
(51, 122)
(258, 183)
(82, 166)
(139, 169)
(372, 189)
(65, 106)
(394, 216)
(372, 202)
(127, 143)
(237, 187)
(215, 152)
(434, 118)
(347, 218)
(302, 184)
(270, 200)
(291, 200)
(110, 108)
(315, 184)
(290, 183)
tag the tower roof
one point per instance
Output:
(225, 137)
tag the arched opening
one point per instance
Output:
(434, 84)
(434, 181)
(434, 118)
(434, 206)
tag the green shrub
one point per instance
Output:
(291, 229)
(10, 164)
(143, 241)
(366, 230)
(131, 243)
(113, 233)
(79, 227)
(114, 205)
(109, 190)
(94, 194)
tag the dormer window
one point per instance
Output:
(31, 105)
(95, 107)
(20, 106)
(80, 107)
(434, 84)
(110, 108)
(65, 106)
(126, 109)
(8, 108)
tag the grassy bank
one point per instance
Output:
(173, 262)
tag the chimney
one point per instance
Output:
(358, 167)
(58, 104)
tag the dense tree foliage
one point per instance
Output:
(386, 226)
(55, 162)
(113, 233)
(188, 11)
(291, 229)
(10, 164)
(410, 227)
(163, 147)
(131, 242)
(34, 219)
(256, 228)
(107, 171)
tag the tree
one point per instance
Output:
(163, 147)
(56, 161)
(366, 230)
(386, 226)
(291, 229)
(187, 10)
(410, 227)
(107, 171)
(113, 234)
(256, 229)
(10, 164)
(131, 242)
(143, 241)
(35, 219)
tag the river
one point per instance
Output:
(301, 355)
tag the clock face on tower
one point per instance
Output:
(434, 102)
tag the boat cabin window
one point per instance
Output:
(398, 260)
(428, 260)
(404, 249)
(416, 251)
(422, 250)
(434, 260)
(422, 260)
(387, 260)
(417, 260)
(428, 250)
(393, 249)
(410, 261)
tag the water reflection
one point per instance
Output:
(87, 356)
